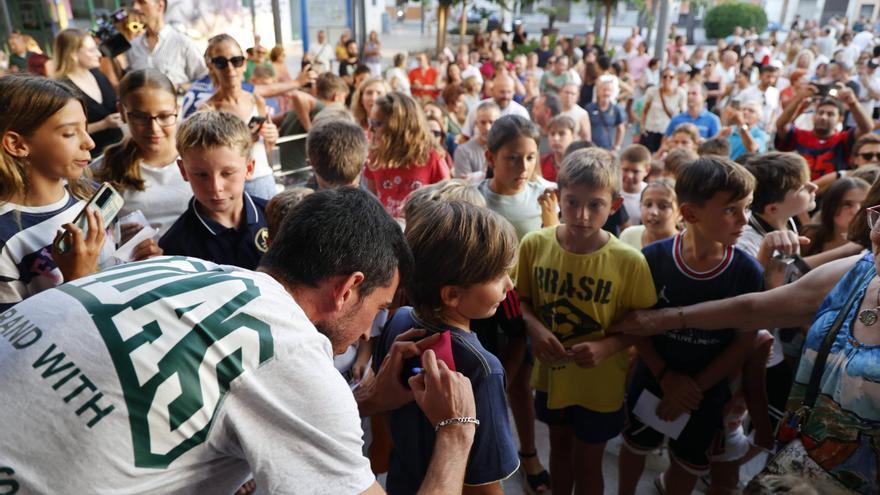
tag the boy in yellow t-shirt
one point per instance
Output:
(574, 281)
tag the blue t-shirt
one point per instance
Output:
(604, 123)
(707, 122)
(197, 235)
(737, 147)
(691, 350)
(493, 455)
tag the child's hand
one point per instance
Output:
(148, 248)
(786, 242)
(546, 346)
(81, 258)
(590, 354)
(247, 488)
(681, 390)
(549, 201)
(669, 410)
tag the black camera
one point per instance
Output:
(112, 42)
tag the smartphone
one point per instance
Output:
(255, 123)
(823, 90)
(107, 201)
(442, 349)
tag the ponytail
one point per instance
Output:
(120, 166)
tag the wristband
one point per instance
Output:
(681, 317)
(457, 421)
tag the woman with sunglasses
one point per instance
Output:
(226, 64)
(841, 433)
(661, 104)
(143, 167)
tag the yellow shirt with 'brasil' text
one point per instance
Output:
(578, 296)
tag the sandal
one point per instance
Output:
(535, 483)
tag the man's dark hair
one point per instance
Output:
(831, 101)
(338, 232)
(350, 42)
(553, 103)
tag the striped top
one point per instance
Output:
(26, 236)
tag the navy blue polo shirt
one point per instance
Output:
(197, 235)
(493, 455)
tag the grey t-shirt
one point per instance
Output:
(470, 158)
(174, 375)
(521, 209)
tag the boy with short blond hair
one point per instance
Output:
(635, 165)
(688, 369)
(223, 223)
(574, 280)
(560, 135)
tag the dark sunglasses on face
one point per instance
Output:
(222, 62)
(437, 133)
(870, 157)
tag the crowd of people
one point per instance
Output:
(676, 249)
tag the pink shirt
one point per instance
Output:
(393, 185)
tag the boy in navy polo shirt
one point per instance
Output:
(462, 257)
(223, 223)
(688, 369)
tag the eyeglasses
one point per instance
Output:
(870, 157)
(437, 133)
(222, 62)
(873, 216)
(145, 119)
(375, 124)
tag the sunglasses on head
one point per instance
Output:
(870, 157)
(223, 62)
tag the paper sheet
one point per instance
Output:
(125, 251)
(646, 411)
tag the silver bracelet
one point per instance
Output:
(457, 421)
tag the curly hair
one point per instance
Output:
(404, 139)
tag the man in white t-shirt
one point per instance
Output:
(502, 94)
(176, 375)
(766, 94)
(324, 52)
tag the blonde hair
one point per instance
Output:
(357, 107)
(591, 167)
(26, 102)
(208, 130)
(667, 185)
(65, 46)
(121, 165)
(445, 190)
(405, 139)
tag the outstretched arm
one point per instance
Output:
(791, 305)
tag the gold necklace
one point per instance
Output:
(869, 317)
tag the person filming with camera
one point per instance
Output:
(826, 148)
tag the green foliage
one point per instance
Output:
(721, 20)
